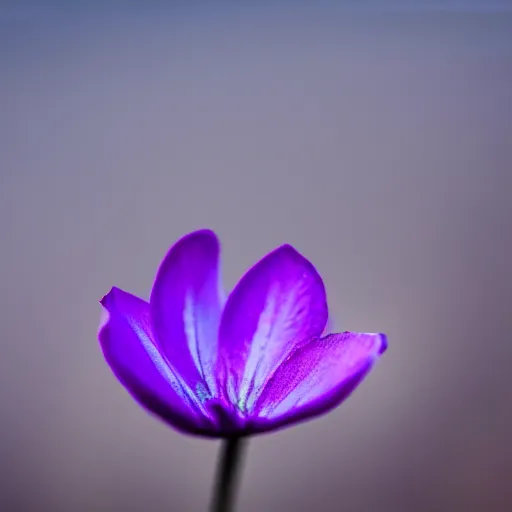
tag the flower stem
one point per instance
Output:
(230, 459)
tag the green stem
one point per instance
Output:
(230, 459)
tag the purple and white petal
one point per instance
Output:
(127, 343)
(279, 303)
(185, 308)
(317, 377)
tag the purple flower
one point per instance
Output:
(249, 364)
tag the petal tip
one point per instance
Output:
(383, 343)
(197, 244)
(200, 235)
(296, 256)
(106, 300)
(288, 249)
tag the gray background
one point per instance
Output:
(378, 142)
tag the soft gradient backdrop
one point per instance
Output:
(378, 141)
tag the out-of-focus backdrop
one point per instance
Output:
(376, 139)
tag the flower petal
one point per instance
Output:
(186, 305)
(127, 344)
(317, 377)
(279, 303)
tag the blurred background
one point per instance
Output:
(377, 139)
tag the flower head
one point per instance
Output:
(252, 363)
